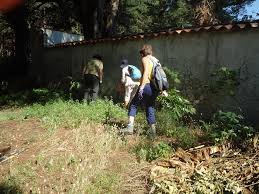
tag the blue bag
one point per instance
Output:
(134, 72)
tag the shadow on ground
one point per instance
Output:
(9, 189)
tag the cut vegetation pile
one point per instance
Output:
(208, 170)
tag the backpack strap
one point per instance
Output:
(154, 62)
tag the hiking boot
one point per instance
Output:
(128, 130)
(151, 133)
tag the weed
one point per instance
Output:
(70, 114)
(225, 80)
(104, 183)
(149, 151)
(10, 186)
(183, 134)
(177, 106)
(172, 76)
(8, 115)
(228, 126)
(75, 89)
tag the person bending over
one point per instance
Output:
(130, 79)
(93, 77)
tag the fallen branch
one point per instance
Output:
(11, 155)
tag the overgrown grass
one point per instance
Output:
(70, 114)
(74, 160)
(106, 182)
(28, 97)
(76, 156)
(149, 151)
(183, 135)
(8, 115)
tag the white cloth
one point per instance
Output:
(131, 86)
(125, 73)
(125, 79)
(130, 92)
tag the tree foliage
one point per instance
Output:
(6, 38)
(104, 18)
(141, 16)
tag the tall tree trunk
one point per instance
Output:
(97, 17)
(111, 10)
(18, 18)
(89, 18)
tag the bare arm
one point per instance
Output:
(123, 77)
(146, 67)
(101, 73)
(101, 76)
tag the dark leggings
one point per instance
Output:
(91, 87)
(148, 100)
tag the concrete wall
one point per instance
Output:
(194, 53)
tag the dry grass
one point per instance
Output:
(89, 159)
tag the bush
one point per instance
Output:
(225, 81)
(172, 76)
(23, 98)
(76, 90)
(228, 126)
(176, 105)
(183, 135)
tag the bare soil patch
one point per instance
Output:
(21, 136)
(56, 161)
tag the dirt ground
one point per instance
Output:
(19, 136)
(27, 138)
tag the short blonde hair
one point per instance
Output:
(146, 50)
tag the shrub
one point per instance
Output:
(176, 105)
(75, 90)
(224, 81)
(172, 76)
(28, 97)
(229, 126)
(183, 135)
